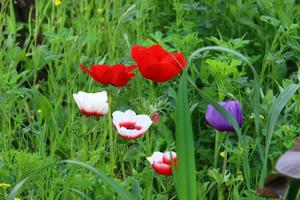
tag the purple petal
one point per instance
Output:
(289, 164)
(218, 122)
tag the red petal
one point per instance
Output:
(90, 114)
(162, 168)
(167, 159)
(141, 56)
(117, 75)
(102, 73)
(116, 71)
(97, 72)
(120, 75)
(86, 70)
(158, 52)
(159, 72)
(145, 56)
(180, 59)
(175, 59)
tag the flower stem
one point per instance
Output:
(217, 144)
(293, 190)
(111, 139)
(225, 155)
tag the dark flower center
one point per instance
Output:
(130, 126)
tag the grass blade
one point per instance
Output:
(17, 187)
(114, 185)
(185, 176)
(227, 115)
(275, 110)
(231, 119)
(83, 195)
(256, 99)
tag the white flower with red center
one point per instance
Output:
(130, 125)
(162, 162)
(92, 104)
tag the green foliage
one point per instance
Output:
(255, 61)
(185, 179)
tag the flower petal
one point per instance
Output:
(157, 52)
(162, 168)
(218, 122)
(117, 75)
(143, 121)
(175, 59)
(159, 72)
(130, 134)
(117, 118)
(92, 104)
(167, 158)
(156, 157)
(144, 56)
(289, 164)
(121, 75)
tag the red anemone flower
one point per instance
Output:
(116, 75)
(156, 64)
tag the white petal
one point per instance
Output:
(128, 132)
(104, 109)
(143, 121)
(92, 102)
(78, 99)
(168, 153)
(129, 116)
(97, 98)
(117, 118)
(156, 157)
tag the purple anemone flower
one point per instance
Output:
(218, 122)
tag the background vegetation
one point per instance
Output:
(40, 124)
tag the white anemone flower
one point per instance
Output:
(92, 104)
(130, 125)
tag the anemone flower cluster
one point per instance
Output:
(155, 64)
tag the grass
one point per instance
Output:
(243, 50)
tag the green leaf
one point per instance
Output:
(270, 20)
(226, 114)
(86, 197)
(256, 99)
(275, 110)
(17, 187)
(114, 185)
(185, 176)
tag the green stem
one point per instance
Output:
(111, 139)
(293, 190)
(217, 144)
(151, 101)
(225, 155)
